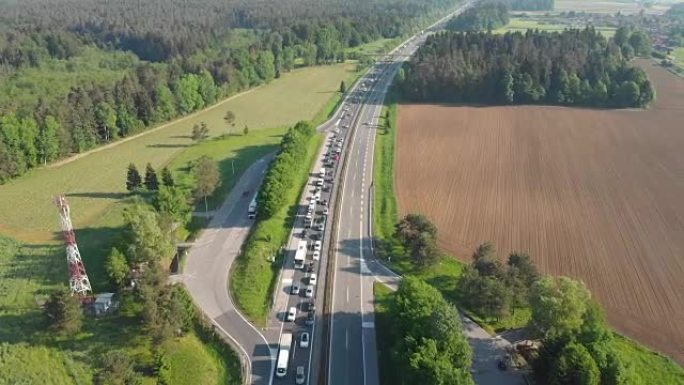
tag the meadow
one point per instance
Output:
(522, 24)
(94, 182)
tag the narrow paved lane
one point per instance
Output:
(207, 268)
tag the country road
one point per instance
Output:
(207, 270)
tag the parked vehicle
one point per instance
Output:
(292, 313)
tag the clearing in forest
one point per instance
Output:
(592, 194)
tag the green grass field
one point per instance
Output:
(93, 183)
(186, 361)
(678, 54)
(523, 24)
(652, 367)
(376, 47)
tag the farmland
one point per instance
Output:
(522, 24)
(592, 194)
(94, 182)
(622, 6)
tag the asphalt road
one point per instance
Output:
(207, 268)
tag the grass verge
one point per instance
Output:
(254, 274)
(652, 367)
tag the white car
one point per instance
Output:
(309, 294)
(313, 279)
(292, 313)
(318, 245)
(294, 290)
(316, 255)
(304, 340)
(325, 211)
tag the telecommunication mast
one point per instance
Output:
(78, 279)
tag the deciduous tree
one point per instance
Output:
(207, 178)
(117, 267)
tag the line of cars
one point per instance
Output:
(308, 253)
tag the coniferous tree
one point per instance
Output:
(167, 177)
(151, 180)
(133, 179)
(64, 311)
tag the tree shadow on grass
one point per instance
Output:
(102, 195)
(168, 145)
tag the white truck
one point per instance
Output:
(251, 211)
(284, 354)
(300, 255)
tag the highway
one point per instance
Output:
(352, 349)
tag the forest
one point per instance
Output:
(531, 5)
(484, 16)
(78, 74)
(572, 68)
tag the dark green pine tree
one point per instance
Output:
(133, 179)
(151, 180)
(167, 178)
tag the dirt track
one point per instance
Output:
(592, 194)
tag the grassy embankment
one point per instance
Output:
(444, 276)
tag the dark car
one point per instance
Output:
(501, 365)
(310, 318)
(309, 306)
(310, 267)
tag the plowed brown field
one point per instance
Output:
(593, 194)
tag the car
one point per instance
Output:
(323, 202)
(316, 255)
(318, 245)
(325, 211)
(310, 318)
(320, 227)
(310, 267)
(292, 314)
(315, 236)
(294, 290)
(309, 294)
(313, 279)
(501, 365)
(319, 183)
(304, 340)
(300, 377)
(308, 306)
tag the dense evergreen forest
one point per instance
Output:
(75, 74)
(573, 67)
(531, 5)
(484, 16)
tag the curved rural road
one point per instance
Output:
(207, 268)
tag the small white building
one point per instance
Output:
(103, 304)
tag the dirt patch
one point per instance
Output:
(592, 194)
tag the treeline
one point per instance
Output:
(280, 177)
(200, 59)
(483, 16)
(573, 67)
(158, 30)
(531, 5)
(428, 345)
(576, 342)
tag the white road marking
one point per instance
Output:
(346, 339)
(347, 293)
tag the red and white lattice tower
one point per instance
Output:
(78, 279)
